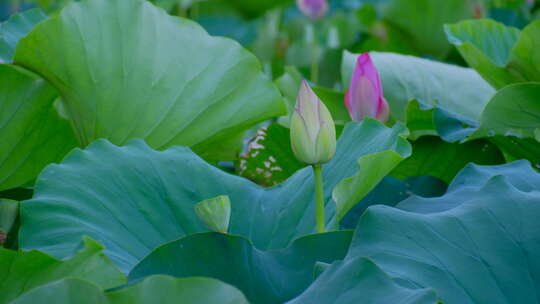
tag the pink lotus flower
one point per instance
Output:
(314, 9)
(365, 94)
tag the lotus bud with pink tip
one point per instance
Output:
(313, 134)
(364, 98)
(314, 9)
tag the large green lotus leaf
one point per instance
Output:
(66, 291)
(263, 276)
(32, 133)
(133, 199)
(155, 289)
(484, 250)
(359, 280)
(519, 173)
(465, 187)
(12, 30)
(433, 120)
(502, 55)
(126, 69)
(431, 83)
(23, 271)
(435, 157)
(168, 290)
(514, 110)
(423, 20)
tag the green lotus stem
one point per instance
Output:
(314, 63)
(319, 198)
(311, 38)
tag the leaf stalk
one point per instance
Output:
(319, 198)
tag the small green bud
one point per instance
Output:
(313, 134)
(215, 213)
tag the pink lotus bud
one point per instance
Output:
(365, 94)
(314, 9)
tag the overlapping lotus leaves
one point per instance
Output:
(513, 111)
(505, 56)
(360, 280)
(468, 184)
(126, 69)
(133, 199)
(143, 99)
(391, 191)
(476, 244)
(435, 157)
(263, 276)
(155, 289)
(32, 132)
(406, 78)
(502, 55)
(23, 271)
(482, 249)
(12, 30)
(423, 93)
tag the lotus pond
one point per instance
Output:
(270, 151)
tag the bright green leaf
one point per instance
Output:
(126, 69)
(23, 271)
(515, 148)
(502, 55)
(513, 111)
(32, 133)
(67, 291)
(155, 289)
(169, 290)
